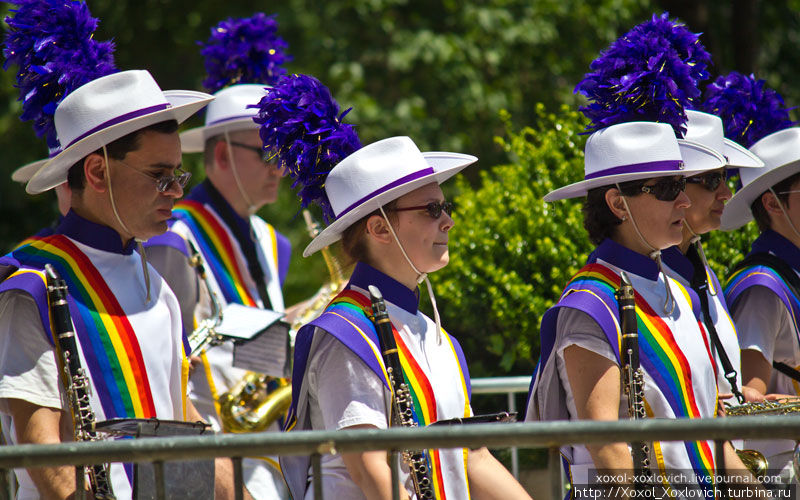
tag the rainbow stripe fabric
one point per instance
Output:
(660, 357)
(218, 247)
(357, 308)
(110, 346)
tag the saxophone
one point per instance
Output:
(632, 374)
(402, 406)
(75, 380)
(206, 332)
(258, 400)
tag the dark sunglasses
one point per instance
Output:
(666, 189)
(709, 180)
(434, 208)
(256, 149)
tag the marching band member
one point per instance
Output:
(762, 291)
(686, 262)
(383, 201)
(245, 258)
(635, 206)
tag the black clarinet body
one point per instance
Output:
(632, 374)
(402, 406)
(75, 379)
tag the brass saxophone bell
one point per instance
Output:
(251, 407)
(755, 461)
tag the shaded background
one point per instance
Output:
(440, 72)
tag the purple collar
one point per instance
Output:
(625, 259)
(673, 258)
(93, 234)
(205, 193)
(770, 241)
(391, 289)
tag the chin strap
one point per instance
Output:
(251, 207)
(139, 245)
(785, 215)
(698, 245)
(420, 278)
(655, 254)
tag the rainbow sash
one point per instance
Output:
(111, 349)
(355, 310)
(660, 355)
(219, 248)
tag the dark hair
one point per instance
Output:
(118, 149)
(354, 244)
(757, 207)
(598, 219)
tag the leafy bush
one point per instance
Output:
(511, 252)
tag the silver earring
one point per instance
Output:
(624, 218)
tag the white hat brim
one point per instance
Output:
(194, 140)
(24, 173)
(737, 211)
(54, 171)
(445, 165)
(697, 159)
(739, 156)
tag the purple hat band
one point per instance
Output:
(399, 182)
(119, 119)
(653, 166)
(231, 118)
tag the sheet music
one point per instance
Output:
(267, 353)
(243, 323)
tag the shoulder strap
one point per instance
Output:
(699, 284)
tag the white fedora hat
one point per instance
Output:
(106, 109)
(229, 111)
(707, 129)
(377, 174)
(780, 152)
(637, 150)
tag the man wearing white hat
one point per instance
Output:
(121, 157)
(245, 258)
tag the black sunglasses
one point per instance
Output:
(256, 149)
(666, 189)
(709, 180)
(434, 208)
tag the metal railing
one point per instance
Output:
(549, 435)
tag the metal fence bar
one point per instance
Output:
(238, 478)
(80, 482)
(554, 473)
(500, 385)
(394, 463)
(316, 475)
(524, 435)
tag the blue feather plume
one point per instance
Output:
(301, 123)
(244, 50)
(649, 74)
(749, 109)
(51, 43)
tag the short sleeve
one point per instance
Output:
(762, 321)
(578, 328)
(343, 391)
(27, 360)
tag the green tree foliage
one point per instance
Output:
(512, 253)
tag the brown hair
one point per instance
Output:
(598, 219)
(757, 207)
(354, 242)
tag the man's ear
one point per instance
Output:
(616, 204)
(378, 229)
(94, 169)
(771, 204)
(221, 155)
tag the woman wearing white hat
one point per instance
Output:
(686, 262)
(388, 210)
(635, 207)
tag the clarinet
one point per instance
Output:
(402, 406)
(75, 380)
(632, 374)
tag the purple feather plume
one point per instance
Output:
(749, 109)
(244, 50)
(51, 43)
(301, 123)
(649, 74)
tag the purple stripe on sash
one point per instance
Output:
(231, 118)
(407, 178)
(120, 119)
(168, 239)
(284, 256)
(33, 285)
(462, 360)
(760, 279)
(653, 166)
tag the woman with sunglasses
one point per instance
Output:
(686, 262)
(635, 207)
(393, 223)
